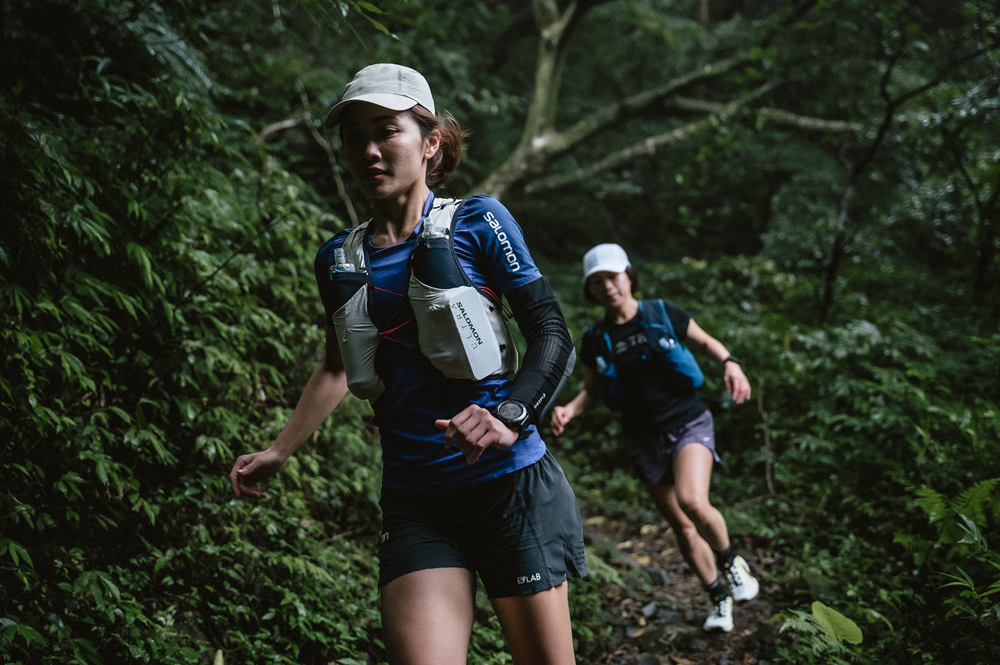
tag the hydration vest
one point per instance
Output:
(459, 329)
(660, 334)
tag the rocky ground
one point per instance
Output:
(660, 624)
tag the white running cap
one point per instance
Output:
(394, 87)
(607, 257)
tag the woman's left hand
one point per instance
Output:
(737, 383)
(474, 430)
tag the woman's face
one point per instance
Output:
(611, 289)
(384, 149)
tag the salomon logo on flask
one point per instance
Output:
(463, 316)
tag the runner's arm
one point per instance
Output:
(323, 392)
(550, 355)
(584, 401)
(736, 381)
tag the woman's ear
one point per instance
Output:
(432, 144)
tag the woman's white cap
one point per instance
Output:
(391, 86)
(607, 257)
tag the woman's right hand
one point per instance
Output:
(323, 392)
(560, 416)
(254, 468)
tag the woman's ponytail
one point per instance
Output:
(444, 162)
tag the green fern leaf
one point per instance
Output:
(973, 501)
(932, 503)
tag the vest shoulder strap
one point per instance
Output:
(443, 210)
(354, 246)
(600, 341)
(654, 313)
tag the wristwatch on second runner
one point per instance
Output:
(513, 414)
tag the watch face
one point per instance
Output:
(512, 411)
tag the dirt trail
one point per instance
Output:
(661, 625)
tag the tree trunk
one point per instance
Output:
(528, 157)
(837, 253)
(542, 143)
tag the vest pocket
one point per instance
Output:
(358, 340)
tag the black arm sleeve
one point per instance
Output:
(550, 356)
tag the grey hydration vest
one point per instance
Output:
(461, 331)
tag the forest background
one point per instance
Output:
(816, 182)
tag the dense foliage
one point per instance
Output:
(158, 308)
(165, 189)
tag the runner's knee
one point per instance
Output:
(694, 505)
(688, 533)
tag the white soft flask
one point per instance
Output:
(455, 331)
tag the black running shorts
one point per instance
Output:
(521, 532)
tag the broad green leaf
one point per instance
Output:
(101, 467)
(30, 634)
(142, 258)
(841, 627)
(17, 550)
(972, 534)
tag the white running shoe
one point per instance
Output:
(721, 617)
(742, 584)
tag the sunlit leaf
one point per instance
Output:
(841, 627)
